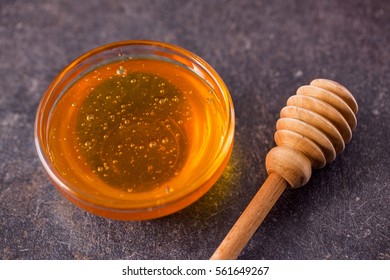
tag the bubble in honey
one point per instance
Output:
(121, 71)
(176, 99)
(152, 144)
(90, 117)
(87, 143)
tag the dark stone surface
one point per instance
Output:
(263, 50)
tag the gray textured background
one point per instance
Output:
(263, 50)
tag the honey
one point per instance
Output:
(137, 137)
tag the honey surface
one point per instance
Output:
(135, 128)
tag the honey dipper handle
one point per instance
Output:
(251, 218)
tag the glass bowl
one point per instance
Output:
(135, 130)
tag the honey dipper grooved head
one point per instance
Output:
(313, 128)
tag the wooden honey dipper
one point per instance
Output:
(313, 128)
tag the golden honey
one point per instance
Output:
(136, 136)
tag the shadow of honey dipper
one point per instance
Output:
(313, 128)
